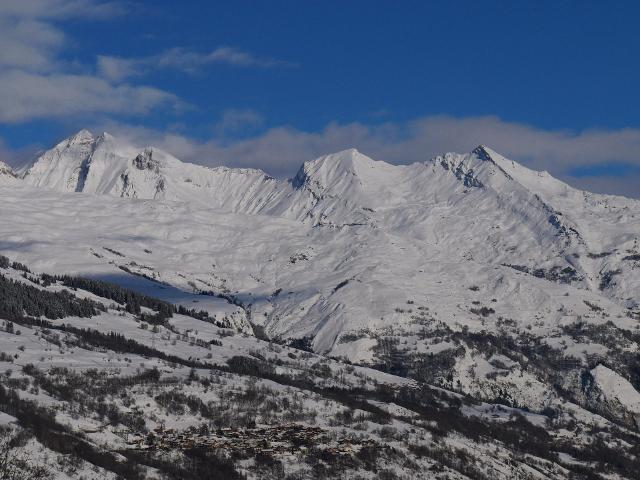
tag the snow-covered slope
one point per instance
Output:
(478, 206)
(99, 383)
(466, 270)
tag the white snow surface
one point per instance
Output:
(354, 254)
(340, 248)
(613, 386)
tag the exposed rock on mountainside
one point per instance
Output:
(6, 170)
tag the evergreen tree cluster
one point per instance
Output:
(53, 305)
(133, 301)
(6, 263)
(18, 299)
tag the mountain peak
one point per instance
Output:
(348, 152)
(343, 157)
(82, 137)
(344, 160)
(86, 137)
(339, 166)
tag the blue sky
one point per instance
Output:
(271, 84)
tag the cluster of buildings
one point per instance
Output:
(277, 440)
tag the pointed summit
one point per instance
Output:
(323, 166)
(337, 168)
(84, 136)
(342, 160)
(68, 165)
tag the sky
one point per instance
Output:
(271, 84)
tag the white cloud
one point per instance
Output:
(119, 68)
(37, 82)
(116, 69)
(627, 186)
(25, 96)
(28, 44)
(235, 121)
(28, 36)
(57, 9)
(539, 148)
(235, 56)
(280, 151)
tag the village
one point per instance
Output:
(286, 439)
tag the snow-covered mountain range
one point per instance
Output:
(465, 271)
